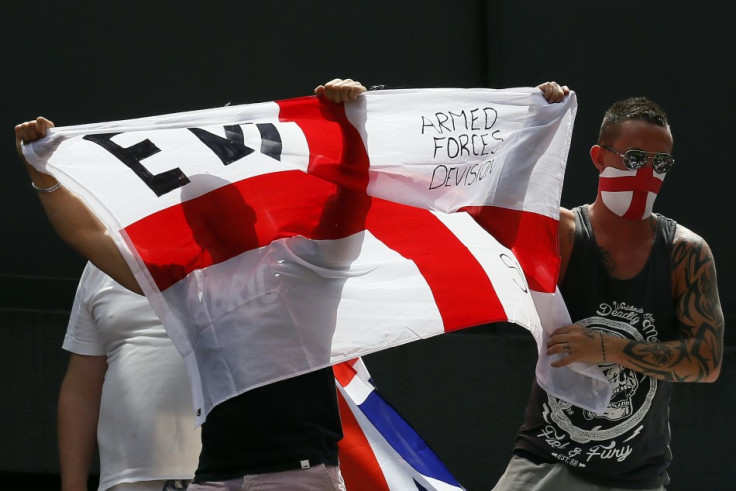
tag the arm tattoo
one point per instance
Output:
(699, 308)
(700, 322)
(661, 360)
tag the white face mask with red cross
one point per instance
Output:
(630, 194)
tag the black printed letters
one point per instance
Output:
(132, 157)
(228, 149)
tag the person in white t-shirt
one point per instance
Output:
(128, 384)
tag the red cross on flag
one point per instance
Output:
(278, 238)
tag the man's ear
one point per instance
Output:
(596, 155)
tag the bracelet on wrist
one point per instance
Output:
(49, 189)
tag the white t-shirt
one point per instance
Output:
(146, 429)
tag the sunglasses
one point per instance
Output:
(636, 159)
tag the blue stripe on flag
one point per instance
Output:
(404, 440)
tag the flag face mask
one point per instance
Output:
(630, 194)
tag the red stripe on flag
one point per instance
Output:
(336, 150)
(252, 213)
(239, 217)
(358, 463)
(530, 236)
(345, 371)
(461, 288)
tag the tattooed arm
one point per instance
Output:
(695, 357)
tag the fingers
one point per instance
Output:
(553, 92)
(571, 328)
(33, 130)
(356, 90)
(30, 131)
(575, 343)
(559, 343)
(564, 345)
(339, 90)
(562, 361)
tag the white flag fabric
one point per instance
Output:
(278, 238)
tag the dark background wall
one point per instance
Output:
(91, 61)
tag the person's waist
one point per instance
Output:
(288, 465)
(532, 457)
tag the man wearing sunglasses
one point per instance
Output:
(642, 291)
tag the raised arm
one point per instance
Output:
(697, 356)
(70, 217)
(80, 228)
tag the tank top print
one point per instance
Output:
(628, 445)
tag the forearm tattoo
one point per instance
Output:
(700, 321)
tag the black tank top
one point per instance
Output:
(628, 445)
